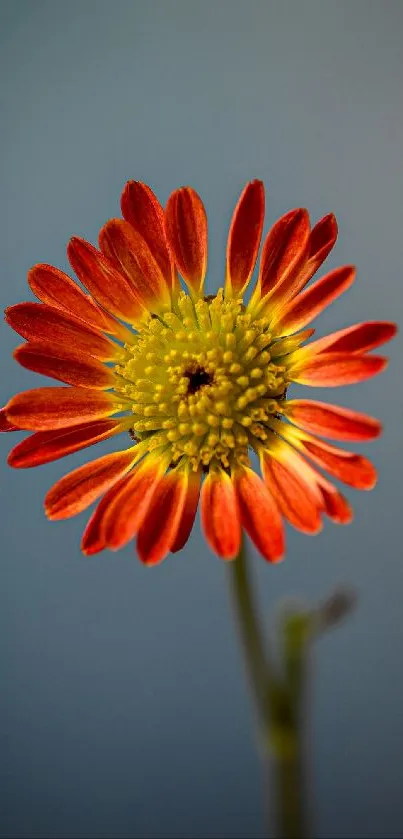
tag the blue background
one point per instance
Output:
(124, 710)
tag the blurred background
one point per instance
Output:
(124, 710)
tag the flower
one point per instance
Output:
(198, 382)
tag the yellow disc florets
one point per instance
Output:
(201, 381)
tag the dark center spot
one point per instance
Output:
(197, 378)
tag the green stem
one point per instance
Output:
(289, 788)
(278, 704)
(256, 657)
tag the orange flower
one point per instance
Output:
(197, 381)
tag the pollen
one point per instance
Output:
(201, 381)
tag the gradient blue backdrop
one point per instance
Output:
(123, 709)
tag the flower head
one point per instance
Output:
(197, 382)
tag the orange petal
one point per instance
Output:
(328, 498)
(331, 420)
(292, 494)
(311, 302)
(80, 488)
(335, 505)
(160, 526)
(5, 424)
(355, 339)
(57, 289)
(353, 469)
(336, 369)
(189, 511)
(40, 322)
(220, 515)
(283, 254)
(109, 286)
(244, 237)
(186, 231)
(321, 241)
(128, 251)
(49, 408)
(58, 363)
(141, 208)
(93, 540)
(45, 446)
(260, 515)
(126, 511)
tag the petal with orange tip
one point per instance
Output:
(321, 241)
(57, 289)
(46, 446)
(328, 498)
(302, 309)
(359, 338)
(260, 515)
(292, 494)
(353, 469)
(186, 232)
(128, 251)
(124, 515)
(109, 286)
(93, 539)
(331, 420)
(48, 408)
(335, 369)
(283, 254)
(80, 488)
(244, 238)
(141, 208)
(160, 525)
(39, 322)
(189, 511)
(5, 424)
(58, 363)
(220, 514)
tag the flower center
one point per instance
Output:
(202, 381)
(197, 378)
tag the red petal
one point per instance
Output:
(80, 488)
(220, 515)
(321, 241)
(327, 497)
(93, 540)
(283, 254)
(335, 505)
(311, 302)
(126, 511)
(351, 468)
(58, 290)
(141, 208)
(160, 525)
(186, 231)
(260, 515)
(244, 237)
(5, 424)
(332, 420)
(336, 369)
(355, 339)
(188, 512)
(40, 322)
(128, 251)
(58, 363)
(112, 290)
(49, 408)
(45, 446)
(292, 494)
